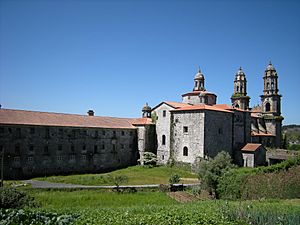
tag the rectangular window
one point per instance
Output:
(103, 146)
(72, 148)
(31, 148)
(220, 131)
(32, 130)
(17, 149)
(46, 149)
(96, 133)
(73, 133)
(83, 157)
(123, 133)
(1, 130)
(103, 132)
(114, 133)
(60, 132)
(95, 148)
(47, 133)
(59, 147)
(122, 146)
(83, 147)
(29, 159)
(18, 132)
(164, 113)
(185, 129)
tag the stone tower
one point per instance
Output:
(239, 99)
(271, 104)
(199, 81)
(146, 111)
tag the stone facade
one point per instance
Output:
(46, 150)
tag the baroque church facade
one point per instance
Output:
(41, 143)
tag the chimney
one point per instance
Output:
(90, 112)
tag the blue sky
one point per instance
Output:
(113, 56)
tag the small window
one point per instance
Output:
(1, 130)
(60, 132)
(32, 130)
(185, 151)
(123, 133)
(46, 149)
(185, 129)
(17, 149)
(83, 147)
(220, 131)
(268, 107)
(163, 140)
(103, 146)
(30, 159)
(19, 132)
(163, 157)
(84, 132)
(47, 133)
(31, 148)
(114, 132)
(103, 132)
(164, 113)
(96, 133)
(131, 133)
(59, 147)
(237, 88)
(95, 148)
(72, 148)
(122, 146)
(114, 147)
(73, 133)
(272, 85)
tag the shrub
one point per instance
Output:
(118, 180)
(211, 171)
(12, 198)
(174, 179)
(150, 159)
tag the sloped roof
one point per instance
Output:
(250, 147)
(202, 107)
(197, 93)
(254, 133)
(174, 105)
(142, 121)
(24, 117)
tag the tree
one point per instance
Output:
(118, 180)
(211, 171)
(149, 159)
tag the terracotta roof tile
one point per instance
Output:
(9, 116)
(250, 147)
(142, 121)
(254, 133)
(202, 107)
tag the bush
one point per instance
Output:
(12, 198)
(150, 159)
(174, 179)
(242, 182)
(211, 171)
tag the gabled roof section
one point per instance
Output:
(24, 117)
(250, 147)
(201, 107)
(142, 121)
(174, 105)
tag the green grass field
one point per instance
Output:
(103, 207)
(136, 174)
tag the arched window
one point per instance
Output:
(237, 88)
(268, 107)
(268, 85)
(272, 85)
(163, 140)
(185, 151)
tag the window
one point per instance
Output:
(131, 133)
(18, 132)
(103, 132)
(59, 147)
(46, 149)
(60, 132)
(130, 146)
(30, 159)
(185, 129)
(83, 147)
(17, 149)
(95, 148)
(103, 146)
(164, 113)
(72, 148)
(31, 148)
(1, 130)
(114, 133)
(32, 130)
(123, 133)
(73, 133)
(220, 131)
(163, 157)
(47, 133)
(185, 151)
(268, 85)
(96, 133)
(122, 146)
(114, 147)
(163, 140)
(268, 107)
(272, 85)
(237, 88)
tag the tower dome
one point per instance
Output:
(199, 75)
(146, 111)
(270, 67)
(199, 81)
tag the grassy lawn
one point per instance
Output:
(136, 174)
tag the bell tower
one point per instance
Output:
(199, 81)
(239, 99)
(271, 104)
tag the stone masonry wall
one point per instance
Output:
(40, 150)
